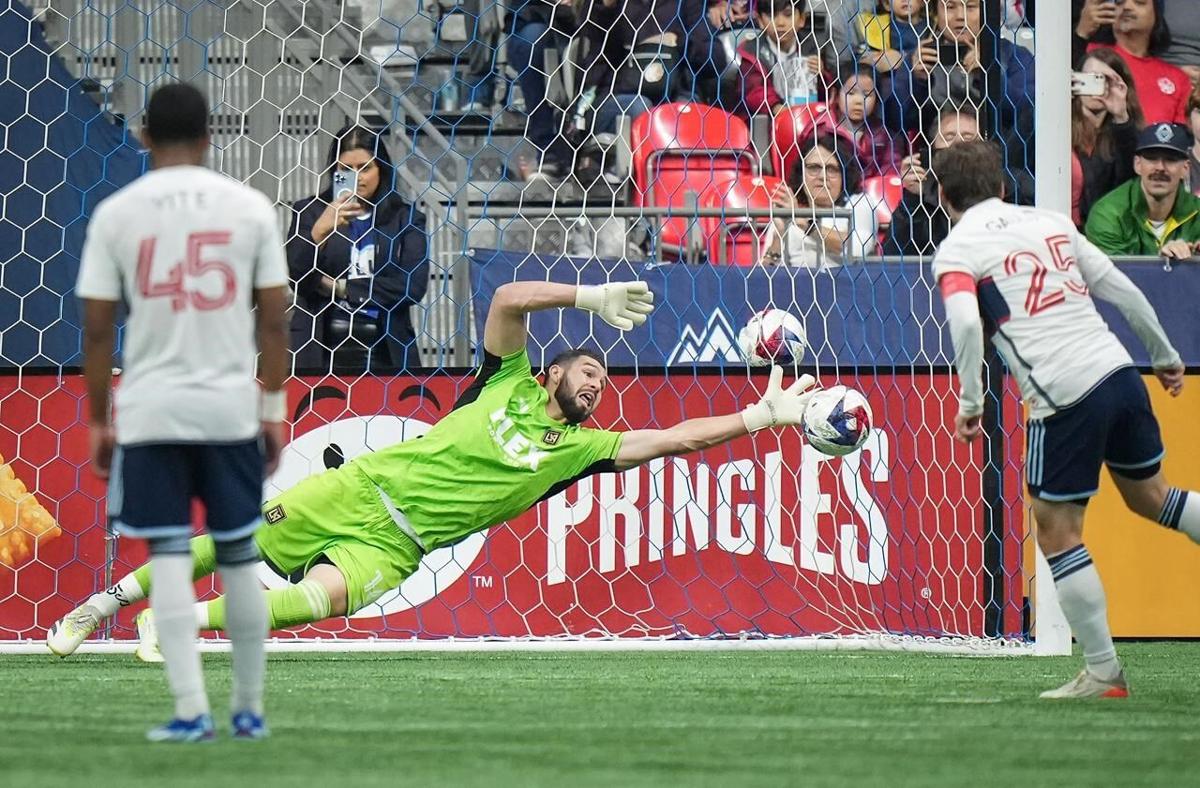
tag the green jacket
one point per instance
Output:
(1117, 223)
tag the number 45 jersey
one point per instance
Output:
(1033, 269)
(184, 248)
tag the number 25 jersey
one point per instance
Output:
(184, 248)
(1033, 270)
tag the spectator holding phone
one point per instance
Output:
(781, 67)
(1153, 213)
(1105, 121)
(889, 36)
(358, 258)
(950, 68)
(1139, 34)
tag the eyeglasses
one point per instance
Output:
(830, 170)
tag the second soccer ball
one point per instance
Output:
(773, 336)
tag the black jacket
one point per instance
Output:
(1101, 175)
(400, 279)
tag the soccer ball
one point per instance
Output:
(773, 336)
(836, 421)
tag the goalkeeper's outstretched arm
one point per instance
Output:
(779, 407)
(623, 305)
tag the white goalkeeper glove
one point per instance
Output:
(779, 406)
(622, 305)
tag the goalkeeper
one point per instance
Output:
(354, 532)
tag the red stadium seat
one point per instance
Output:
(681, 148)
(792, 125)
(739, 243)
(885, 193)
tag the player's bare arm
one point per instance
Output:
(622, 305)
(1118, 289)
(99, 334)
(272, 328)
(779, 407)
(966, 333)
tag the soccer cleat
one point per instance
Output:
(250, 726)
(1086, 685)
(147, 648)
(72, 629)
(184, 731)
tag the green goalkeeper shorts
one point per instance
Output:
(340, 515)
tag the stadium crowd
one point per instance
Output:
(895, 81)
(858, 97)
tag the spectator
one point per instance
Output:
(1194, 124)
(534, 27)
(781, 66)
(919, 223)
(878, 151)
(608, 30)
(890, 36)
(1184, 23)
(483, 43)
(1091, 17)
(1139, 35)
(1104, 133)
(826, 177)
(711, 64)
(1153, 213)
(950, 68)
(359, 261)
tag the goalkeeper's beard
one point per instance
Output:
(569, 405)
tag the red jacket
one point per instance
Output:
(758, 90)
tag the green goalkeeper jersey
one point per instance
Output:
(494, 456)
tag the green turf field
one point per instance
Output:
(661, 719)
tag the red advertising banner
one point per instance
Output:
(764, 536)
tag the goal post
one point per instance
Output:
(914, 542)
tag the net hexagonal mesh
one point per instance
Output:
(735, 156)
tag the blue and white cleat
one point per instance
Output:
(248, 725)
(184, 731)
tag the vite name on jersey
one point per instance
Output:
(664, 506)
(518, 450)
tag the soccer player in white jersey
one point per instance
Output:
(1032, 277)
(191, 253)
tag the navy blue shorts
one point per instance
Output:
(1113, 425)
(152, 486)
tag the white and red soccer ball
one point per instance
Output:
(773, 336)
(836, 421)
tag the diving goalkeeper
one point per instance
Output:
(352, 533)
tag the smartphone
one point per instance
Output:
(1087, 83)
(344, 181)
(950, 52)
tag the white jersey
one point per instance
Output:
(185, 248)
(1033, 271)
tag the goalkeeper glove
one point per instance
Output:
(622, 305)
(779, 406)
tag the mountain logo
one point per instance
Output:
(717, 341)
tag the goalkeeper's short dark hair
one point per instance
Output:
(567, 357)
(969, 173)
(176, 113)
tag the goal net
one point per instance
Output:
(571, 142)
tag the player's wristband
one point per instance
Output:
(272, 405)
